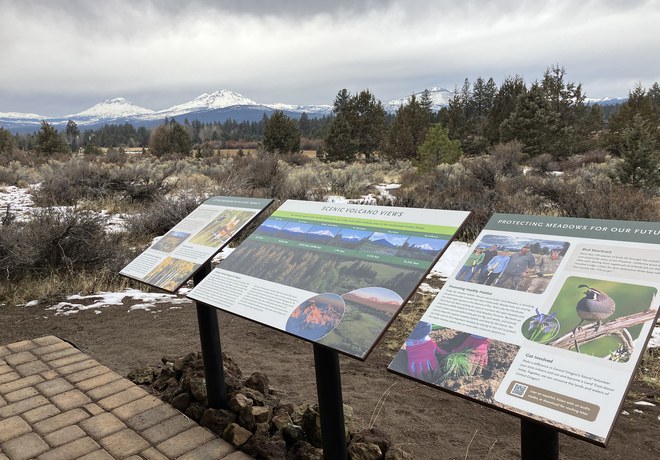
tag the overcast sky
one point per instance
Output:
(62, 57)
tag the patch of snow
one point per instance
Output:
(644, 403)
(450, 259)
(426, 288)
(654, 341)
(625, 412)
(637, 411)
(107, 299)
(31, 303)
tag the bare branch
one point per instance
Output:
(588, 334)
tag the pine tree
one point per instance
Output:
(438, 148)
(504, 103)
(640, 155)
(6, 141)
(408, 130)
(72, 134)
(639, 103)
(49, 141)
(358, 126)
(281, 134)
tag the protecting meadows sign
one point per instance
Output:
(546, 318)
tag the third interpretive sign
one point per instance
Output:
(545, 317)
(333, 274)
(173, 259)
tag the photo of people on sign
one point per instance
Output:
(332, 274)
(521, 264)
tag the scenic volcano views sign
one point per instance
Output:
(332, 274)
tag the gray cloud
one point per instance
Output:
(63, 56)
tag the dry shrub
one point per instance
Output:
(304, 183)
(55, 285)
(63, 184)
(67, 241)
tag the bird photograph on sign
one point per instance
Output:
(600, 318)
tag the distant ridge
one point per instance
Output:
(218, 106)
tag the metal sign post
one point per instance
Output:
(331, 405)
(538, 441)
(209, 335)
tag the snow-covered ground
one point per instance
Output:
(21, 205)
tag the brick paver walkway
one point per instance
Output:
(57, 403)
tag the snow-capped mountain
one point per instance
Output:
(439, 97)
(217, 100)
(111, 109)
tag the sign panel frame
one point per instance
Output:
(174, 258)
(546, 318)
(335, 275)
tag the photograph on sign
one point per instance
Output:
(545, 317)
(336, 275)
(170, 261)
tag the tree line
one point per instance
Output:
(550, 118)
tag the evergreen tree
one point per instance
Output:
(72, 134)
(438, 148)
(6, 141)
(532, 122)
(49, 141)
(408, 130)
(639, 103)
(339, 143)
(170, 139)
(640, 154)
(504, 103)
(358, 126)
(281, 134)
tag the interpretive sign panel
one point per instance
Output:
(175, 257)
(335, 275)
(546, 318)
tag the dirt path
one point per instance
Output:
(426, 422)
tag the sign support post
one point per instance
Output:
(331, 405)
(209, 336)
(538, 442)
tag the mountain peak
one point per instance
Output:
(117, 107)
(216, 100)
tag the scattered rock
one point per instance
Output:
(303, 450)
(262, 414)
(396, 453)
(372, 436)
(256, 421)
(195, 411)
(236, 435)
(198, 387)
(364, 451)
(264, 448)
(293, 434)
(246, 418)
(281, 420)
(258, 381)
(238, 401)
(142, 376)
(217, 420)
(182, 401)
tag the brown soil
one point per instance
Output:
(426, 422)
